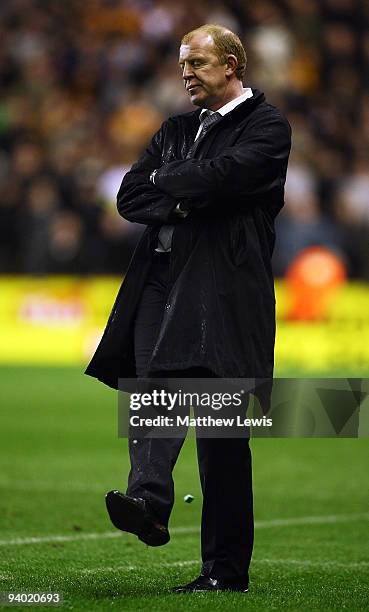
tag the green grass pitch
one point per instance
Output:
(60, 454)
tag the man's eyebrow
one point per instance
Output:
(191, 59)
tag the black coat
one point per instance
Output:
(220, 313)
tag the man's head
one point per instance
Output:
(213, 63)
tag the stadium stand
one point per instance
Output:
(85, 84)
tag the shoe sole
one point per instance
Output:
(127, 516)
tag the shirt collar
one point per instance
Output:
(247, 93)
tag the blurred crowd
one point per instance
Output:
(85, 83)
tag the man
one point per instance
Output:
(198, 298)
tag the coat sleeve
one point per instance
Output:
(253, 166)
(140, 201)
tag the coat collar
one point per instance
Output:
(243, 109)
(191, 120)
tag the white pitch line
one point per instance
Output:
(133, 568)
(45, 485)
(309, 563)
(312, 520)
(84, 536)
(60, 538)
(295, 562)
(287, 522)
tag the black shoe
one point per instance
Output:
(206, 583)
(133, 515)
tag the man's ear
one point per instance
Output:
(231, 65)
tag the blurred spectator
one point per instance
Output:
(353, 212)
(65, 248)
(302, 223)
(84, 86)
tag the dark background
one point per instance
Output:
(84, 84)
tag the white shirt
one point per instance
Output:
(227, 108)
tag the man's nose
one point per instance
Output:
(187, 71)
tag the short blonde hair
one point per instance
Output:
(225, 43)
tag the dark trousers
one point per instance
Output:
(227, 525)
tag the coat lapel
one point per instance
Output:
(233, 118)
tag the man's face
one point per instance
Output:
(204, 77)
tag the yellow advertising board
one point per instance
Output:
(53, 320)
(59, 320)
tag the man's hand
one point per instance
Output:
(181, 210)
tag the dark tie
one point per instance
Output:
(207, 119)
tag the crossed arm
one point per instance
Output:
(253, 166)
(138, 199)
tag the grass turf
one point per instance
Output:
(60, 453)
